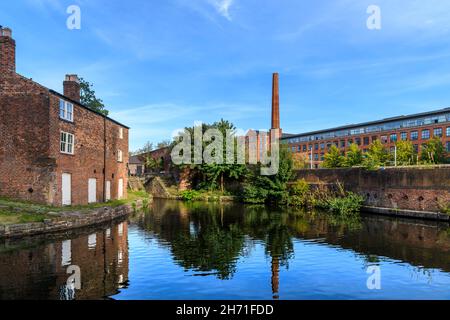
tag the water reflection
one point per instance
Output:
(194, 250)
(210, 238)
(36, 268)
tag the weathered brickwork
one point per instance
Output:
(412, 188)
(31, 163)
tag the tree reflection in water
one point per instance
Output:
(209, 238)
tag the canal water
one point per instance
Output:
(176, 250)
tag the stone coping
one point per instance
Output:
(405, 213)
(67, 221)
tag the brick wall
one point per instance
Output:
(413, 188)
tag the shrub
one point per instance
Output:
(344, 206)
(300, 192)
(189, 195)
(254, 194)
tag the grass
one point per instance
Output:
(13, 211)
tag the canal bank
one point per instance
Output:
(68, 220)
(21, 219)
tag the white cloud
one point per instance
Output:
(223, 7)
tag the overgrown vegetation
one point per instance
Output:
(270, 189)
(338, 201)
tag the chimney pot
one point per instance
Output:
(71, 86)
(7, 51)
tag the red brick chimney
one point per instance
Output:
(72, 87)
(275, 103)
(7, 51)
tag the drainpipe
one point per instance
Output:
(104, 159)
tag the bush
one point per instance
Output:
(189, 195)
(299, 193)
(348, 205)
(254, 194)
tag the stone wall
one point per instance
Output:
(414, 188)
(67, 221)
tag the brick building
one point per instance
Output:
(53, 149)
(417, 128)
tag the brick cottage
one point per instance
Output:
(53, 149)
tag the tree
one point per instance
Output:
(376, 155)
(405, 153)
(300, 161)
(213, 176)
(433, 151)
(164, 144)
(88, 98)
(148, 146)
(273, 189)
(353, 157)
(333, 159)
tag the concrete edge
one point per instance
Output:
(404, 213)
(66, 222)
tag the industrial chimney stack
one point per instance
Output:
(275, 103)
(7, 51)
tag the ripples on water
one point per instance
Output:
(230, 251)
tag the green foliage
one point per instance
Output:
(153, 164)
(376, 155)
(299, 193)
(88, 98)
(353, 157)
(214, 176)
(189, 195)
(333, 159)
(405, 153)
(433, 152)
(348, 205)
(273, 189)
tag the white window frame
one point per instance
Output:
(65, 110)
(64, 144)
(120, 133)
(119, 156)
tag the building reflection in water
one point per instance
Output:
(208, 239)
(39, 269)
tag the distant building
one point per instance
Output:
(417, 128)
(53, 149)
(136, 166)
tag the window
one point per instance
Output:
(316, 156)
(404, 136)
(448, 132)
(393, 137)
(316, 146)
(426, 134)
(120, 133)
(448, 146)
(366, 141)
(358, 141)
(374, 138)
(120, 155)
(65, 110)
(384, 139)
(322, 156)
(299, 148)
(304, 148)
(437, 132)
(342, 143)
(416, 148)
(414, 135)
(67, 140)
(322, 146)
(350, 141)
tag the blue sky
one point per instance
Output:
(160, 65)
